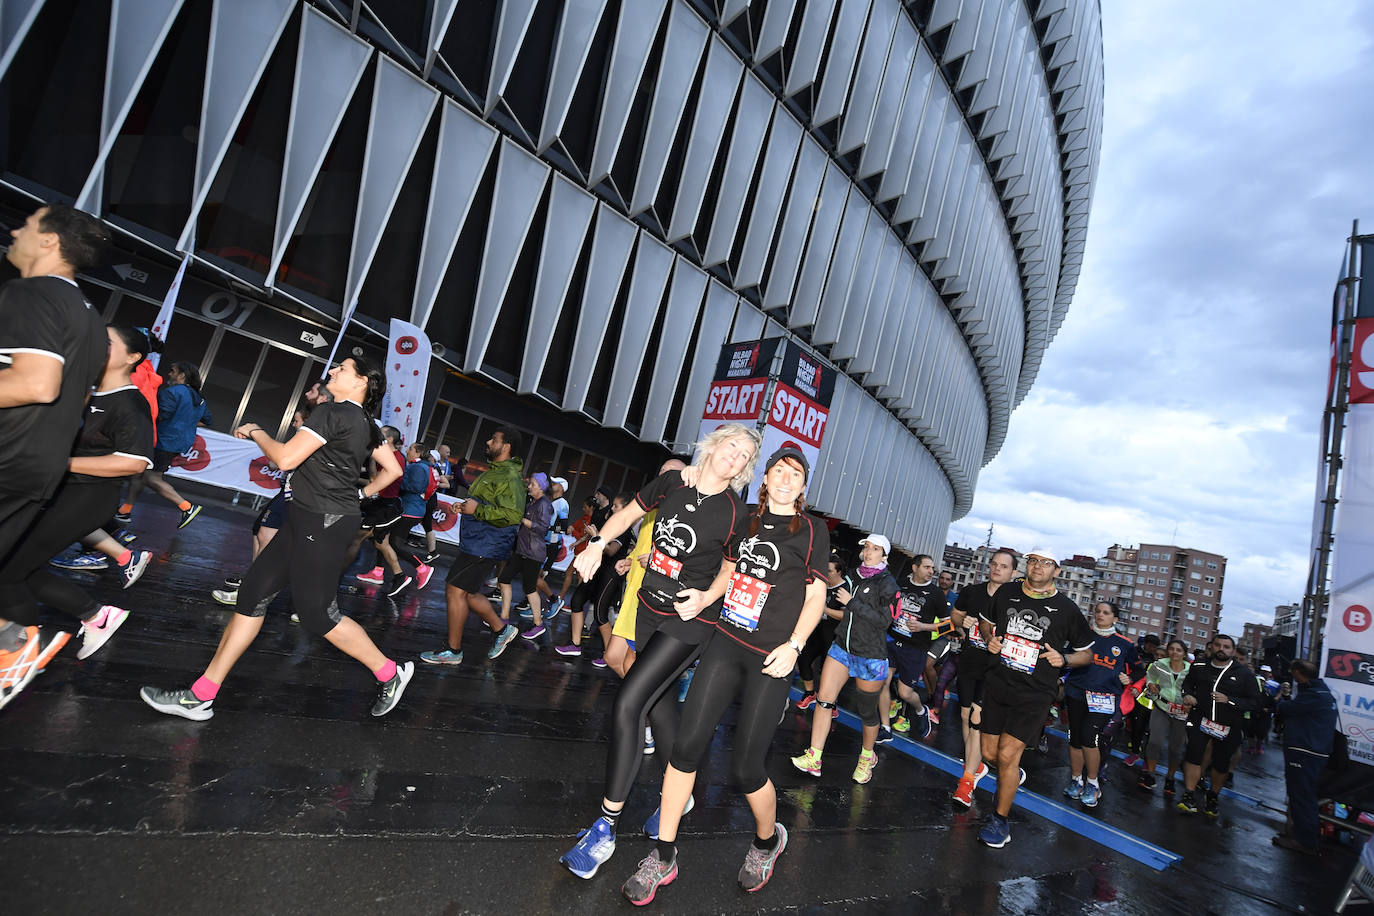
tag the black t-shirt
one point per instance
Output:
(1026, 625)
(832, 599)
(692, 535)
(48, 316)
(925, 603)
(118, 422)
(327, 481)
(976, 603)
(768, 587)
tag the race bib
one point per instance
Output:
(665, 565)
(1178, 710)
(744, 600)
(1215, 729)
(975, 637)
(1101, 702)
(1019, 653)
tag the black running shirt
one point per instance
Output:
(692, 535)
(976, 604)
(1026, 625)
(923, 602)
(768, 587)
(47, 316)
(118, 422)
(327, 481)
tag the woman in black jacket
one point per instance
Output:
(860, 651)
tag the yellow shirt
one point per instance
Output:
(629, 604)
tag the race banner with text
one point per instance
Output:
(799, 409)
(740, 383)
(1348, 646)
(407, 373)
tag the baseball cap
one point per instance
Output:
(605, 491)
(877, 540)
(561, 482)
(1042, 552)
(540, 478)
(433, 455)
(789, 451)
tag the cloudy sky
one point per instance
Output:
(1180, 402)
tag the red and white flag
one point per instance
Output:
(164, 314)
(407, 372)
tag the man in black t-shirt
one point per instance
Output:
(52, 350)
(908, 645)
(1033, 633)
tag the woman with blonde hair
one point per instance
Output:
(695, 535)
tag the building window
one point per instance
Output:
(1204, 620)
(1211, 565)
(1206, 605)
(1164, 556)
(1194, 589)
(1191, 616)
(1210, 579)
(1207, 592)
(1192, 602)
(1188, 630)
(1195, 575)
(1142, 567)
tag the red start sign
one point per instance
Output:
(738, 400)
(798, 415)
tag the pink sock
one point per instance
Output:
(124, 558)
(204, 689)
(386, 672)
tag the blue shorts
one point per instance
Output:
(909, 658)
(865, 669)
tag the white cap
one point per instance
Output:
(1042, 552)
(561, 482)
(434, 455)
(877, 540)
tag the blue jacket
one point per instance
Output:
(180, 409)
(414, 480)
(1309, 718)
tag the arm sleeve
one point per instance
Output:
(820, 551)
(507, 505)
(1249, 698)
(131, 433)
(320, 422)
(875, 608)
(27, 325)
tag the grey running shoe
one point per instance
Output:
(758, 864)
(502, 640)
(391, 691)
(177, 703)
(652, 874)
(226, 596)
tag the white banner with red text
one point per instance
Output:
(407, 373)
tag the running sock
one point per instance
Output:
(386, 672)
(767, 845)
(611, 816)
(667, 851)
(1093, 783)
(204, 689)
(11, 637)
(183, 505)
(125, 508)
(124, 558)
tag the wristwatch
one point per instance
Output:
(594, 540)
(794, 645)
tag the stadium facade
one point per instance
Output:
(582, 200)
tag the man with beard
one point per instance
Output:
(1033, 632)
(490, 519)
(1218, 695)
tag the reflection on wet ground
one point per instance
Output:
(292, 799)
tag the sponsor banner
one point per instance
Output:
(800, 408)
(1362, 362)
(741, 380)
(407, 372)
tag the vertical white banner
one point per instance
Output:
(164, 314)
(407, 373)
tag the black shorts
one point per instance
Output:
(1013, 709)
(1223, 749)
(973, 671)
(427, 520)
(380, 515)
(273, 515)
(163, 460)
(908, 659)
(469, 573)
(524, 568)
(1084, 727)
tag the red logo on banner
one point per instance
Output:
(1362, 363)
(195, 458)
(260, 473)
(445, 517)
(1357, 618)
(407, 345)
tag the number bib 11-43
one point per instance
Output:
(744, 601)
(1019, 653)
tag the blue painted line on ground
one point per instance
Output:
(1127, 844)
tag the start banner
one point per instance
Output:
(741, 380)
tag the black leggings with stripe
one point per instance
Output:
(309, 554)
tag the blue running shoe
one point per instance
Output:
(82, 561)
(1090, 796)
(445, 656)
(594, 846)
(996, 832)
(1074, 789)
(503, 640)
(651, 825)
(555, 606)
(920, 724)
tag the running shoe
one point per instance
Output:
(503, 639)
(422, 574)
(189, 516)
(1131, 760)
(445, 656)
(138, 562)
(552, 611)
(1146, 781)
(46, 653)
(594, 846)
(652, 874)
(390, 692)
(1169, 786)
(599, 663)
(884, 734)
(651, 825)
(1074, 789)
(807, 701)
(996, 832)
(398, 586)
(923, 722)
(124, 518)
(569, 650)
(934, 715)
(534, 632)
(19, 666)
(1090, 795)
(525, 612)
(863, 772)
(758, 863)
(963, 794)
(1187, 803)
(808, 762)
(226, 596)
(901, 725)
(177, 703)
(81, 561)
(978, 774)
(233, 582)
(374, 576)
(1212, 806)
(125, 537)
(648, 741)
(1021, 776)
(430, 559)
(98, 630)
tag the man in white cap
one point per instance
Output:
(1035, 632)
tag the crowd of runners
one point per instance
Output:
(697, 598)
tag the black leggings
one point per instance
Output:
(26, 579)
(817, 645)
(309, 554)
(729, 670)
(645, 691)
